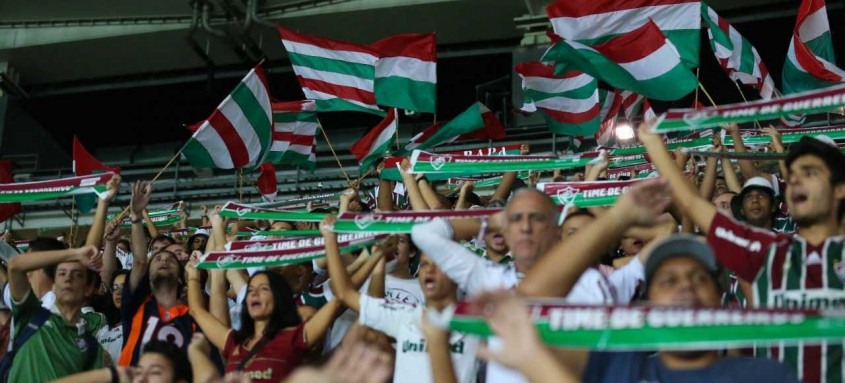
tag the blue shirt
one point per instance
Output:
(646, 367)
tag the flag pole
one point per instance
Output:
(340, 165)
(695, 101)
(703, 89)
(746, 101)
(160, 172)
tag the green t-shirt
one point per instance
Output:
(54, 351)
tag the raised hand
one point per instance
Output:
(112, 231)
(509, 319)
(89, 257)
(113, 187)
(645, 135)
(141, 194)
(646, 201)
(191, 271)
(777, 143)
(327, 225)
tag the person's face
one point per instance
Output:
(757, 207)
(179, 250)
(403, 249)
(572, 225)
(154, 368)
(259, 298)
(164, 264)
(811, 197)
(531, 228)
(721, 187)
(435, 284)
(198, 243)
(70, 283)
(723, 203)
(683, 281)
(122, 246)
(631, 246)
(117, 290)
(495, 241)
(159, 245)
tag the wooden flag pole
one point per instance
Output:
(700, 85)
(160, 172)
(339, 164)
(695, 101)
(746, 101)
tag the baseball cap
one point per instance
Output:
(753, 183)
(680, 245)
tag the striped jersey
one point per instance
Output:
(788, 272)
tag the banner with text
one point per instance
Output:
(433, 163)
(586, 194)
(399, 222)
(241, 211)
(41, 190)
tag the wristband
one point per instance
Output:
(135, 220)
(115, 378)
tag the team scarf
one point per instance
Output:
(630, 172)
(241, 211)
(480, 182)
(278, 233)
(275, 253)
(646, 328)
(400, 222)
(41, 190)
(162, 217)
(586, 194)
(391, 164)
(824, 100)
(428, 163)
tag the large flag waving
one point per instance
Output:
(477, 122)
(810, 62)
(569, 103)
(337, 74)
(85, 164)
(642, 61)
(406, 72)
(736, 55)
(597, 21)
(294, 134)
(376, 143)
(238, 133)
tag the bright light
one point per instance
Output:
(624, 131)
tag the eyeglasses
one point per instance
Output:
(116, 287)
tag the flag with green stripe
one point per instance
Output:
(238, 133)
(376, 143)
(294, 134)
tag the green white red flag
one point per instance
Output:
(239, 131)
(643, 61)
(294, 134)
(810, 62)
(569, 102)
(477, 122)
(338, 75)
(738, 58)
(406, 72)
(597, 21)
(84, 164)
(376, 143)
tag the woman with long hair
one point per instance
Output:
(272, 339)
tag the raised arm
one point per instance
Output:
(708, 185)
(141, 194)
(151, 227)
(731, 178)
(88, 256)
(430, 195)
(411, 186)
(465, 189)
(384, 199)
(684, 194)
(110, 262)
(439, 352)
(215, 330)
(560, 268)
(746, 166)
(777, 146)
(341, 285)
(95, 235)
(437, 239)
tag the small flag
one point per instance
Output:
(810, 62)
(294, 134)
(376, 143)
(569, 103)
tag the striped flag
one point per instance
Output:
(376, 143)
(597, 21)
(642, 61)
(266, 182)
(569, 103)
(477, 122)
(238, 133)
(406, 72)
(294, 134)
(85, 164)
(738, 58)
(810, 62)
(611, 104)
(337, 74)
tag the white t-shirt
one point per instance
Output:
(112, 340)
(397, 290)
(413, 365)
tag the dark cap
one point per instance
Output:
(680, 245)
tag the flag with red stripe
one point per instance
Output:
(238, 133)
(569, 102)
(477, 122)
(810, 61)
(294, 134)
(406, 72)
(338, 75)
(376, 143)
